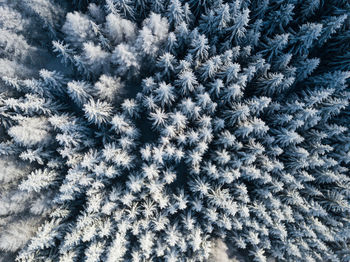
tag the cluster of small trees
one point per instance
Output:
(184, 121)
(26, 32)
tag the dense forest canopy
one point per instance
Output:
(146, 130)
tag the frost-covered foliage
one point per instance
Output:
(25, 47)
(176, 123)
